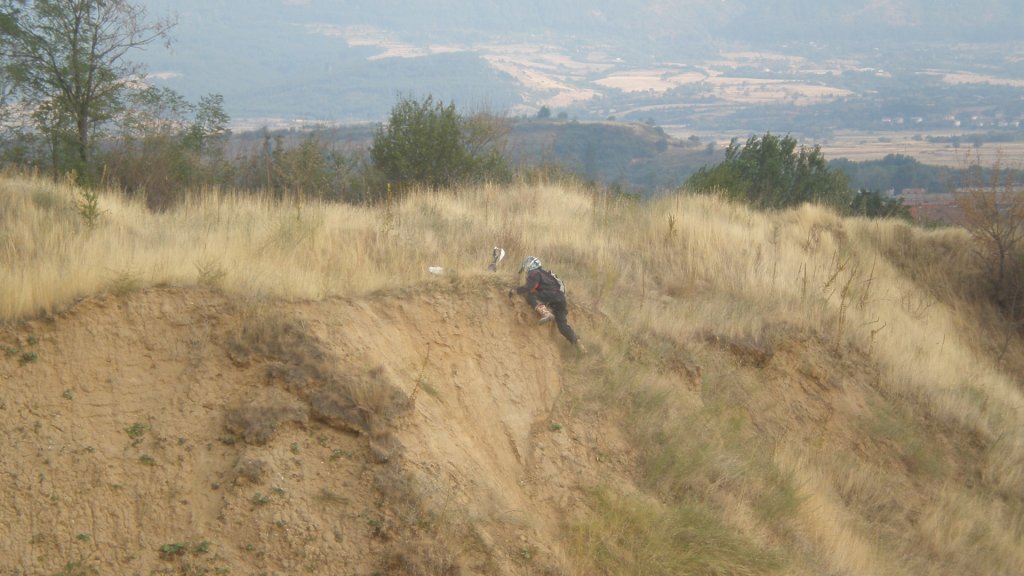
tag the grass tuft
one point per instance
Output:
(635, 535)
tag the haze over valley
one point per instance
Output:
(725, 68)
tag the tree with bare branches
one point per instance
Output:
(993, 212)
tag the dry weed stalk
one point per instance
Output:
(420, 378)
(874, 332)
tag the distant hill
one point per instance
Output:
(323, 61)
(634, 157)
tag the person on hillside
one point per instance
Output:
(546, 294)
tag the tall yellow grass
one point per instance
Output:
(886, 294)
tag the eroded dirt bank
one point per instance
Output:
(179, 431)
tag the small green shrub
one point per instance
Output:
(77, 569)
(168, 551)
(201, 548)
(526, 553)
(136, 431)
(88, 206)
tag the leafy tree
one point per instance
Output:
(311, 169)
(68, 62)
(872, 204)
(209, 126)
(770, 172)
(303, 166)
(544, 113)
(429, 143)
(167, 145)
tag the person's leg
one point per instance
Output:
(540, 307)
(561, 312)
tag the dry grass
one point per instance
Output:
(865, 146)
(632, 534)
(923, 473)
(249, 245)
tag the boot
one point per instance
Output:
(545, 314)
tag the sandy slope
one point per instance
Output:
(177, 431)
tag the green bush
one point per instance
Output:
(770, 172)
(428, 143)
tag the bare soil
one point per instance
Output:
(180, 431)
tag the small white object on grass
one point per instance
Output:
(496, 257)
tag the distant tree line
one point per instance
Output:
(73, 103)
(896, 173)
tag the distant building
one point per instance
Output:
(916, 192)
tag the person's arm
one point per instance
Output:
(531, 285)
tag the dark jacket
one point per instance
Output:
(545, 285)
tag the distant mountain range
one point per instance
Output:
(313, 60)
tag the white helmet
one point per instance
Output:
(530, 264)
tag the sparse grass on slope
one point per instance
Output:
(806, 394)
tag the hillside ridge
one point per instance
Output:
(286, 436)
(258, 385)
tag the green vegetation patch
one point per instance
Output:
(918, 450)
(77, 569)
(629, 534)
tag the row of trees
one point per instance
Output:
(87, 111)
(896, 172)
(73, 102)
